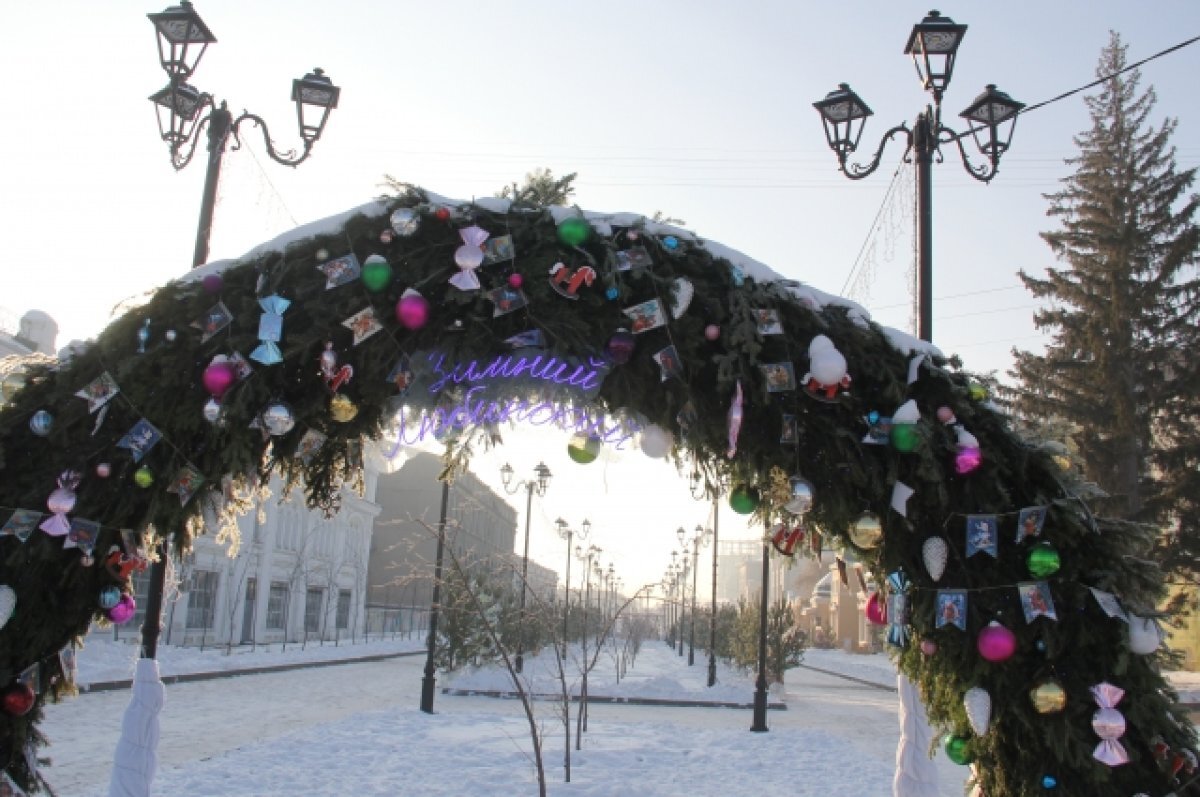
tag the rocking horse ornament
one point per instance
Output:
(568, 282)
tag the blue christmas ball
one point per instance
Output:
(1049, 782)
(611, 294)
(41, 422)
(671, 242)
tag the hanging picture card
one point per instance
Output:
(982, 535)
(21, 524)
(1030, 521)
(1036, 600)
(952, 608)
(140, 439)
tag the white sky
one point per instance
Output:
(700, 109)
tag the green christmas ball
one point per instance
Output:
(143, 477)
(376, 273)
(905, 436)
(743, 500)
(574, 231)
(956, 750)
(977, 392)
(583, 448)
(1043, 560)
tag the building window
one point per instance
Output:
(276, 605)
(312, 608)
(343, 608)
(202, 599)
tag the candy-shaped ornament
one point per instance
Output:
(1109, 725)
(60, 502)
(469, 257)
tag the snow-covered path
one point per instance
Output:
(356, 729)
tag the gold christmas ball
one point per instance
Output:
(342, 409)
(1048, 697)
(867, 531)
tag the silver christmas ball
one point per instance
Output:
(802, 495)
(277, 418)
(40, 423)
(405, 221)
(213, 410)
(169, 335)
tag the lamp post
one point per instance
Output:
(538, 484)
(697, 540)
(427, 682)
(567, 533)
(933, 44)
(585, 556)
(759, 724)
(699, 490)
(179, 105)
(182, 39)
(685, 565)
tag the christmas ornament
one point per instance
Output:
(143, 477)
(573, 231)
(340, 270)
(967, 457)
(143, 336)
(1036, 600)
(469, 257)
(60, 502)
(743, 499)
(934, 552)
(876, 609)
(412, 311)
(656, 441)
(212, 283)
(785, 540)
(567, 282)
(612, 293)
(620, 346)
(8, 602)
(217, 318)
(385, 237)
(515, 281)
(334, 377)
(982, 535)
(442, 214)
(996, 643)
(945, 415)
(342, 409)
(978, 704)
(363, 324)
(405, 221)
(277, 418)
(1042, 560)
(583, 448)
(977, 392)
(1048, 696)
(121, 566)
(645, 316)
(956, 750)
(1144, 638)
(928, 647)
(826, 375)
(270, 330)
(733, 420)
(905, 435)
(40, 423)
(682, 293)
(103, 470)
(18, 699)
(109, 597)
(99, 391)
(219, 376)
(712, 332)
(1109, 725)
(213, 411)
(124, 610)
(801, 495)
(140, 439)
(668, 363)
(867, 531)
(1049, 782)
(897, 611)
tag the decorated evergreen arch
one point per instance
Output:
(1019, 615)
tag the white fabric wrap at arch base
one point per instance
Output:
(916, 775)
(136, 759)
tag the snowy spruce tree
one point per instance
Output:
(1123, 311)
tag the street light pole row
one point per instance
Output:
(538, 484)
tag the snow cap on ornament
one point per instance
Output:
(826, 370)
(968, 457)
(904, 426)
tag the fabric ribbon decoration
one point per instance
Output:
(270, 330)
(60, 502)
(898, 584)
(734, 420)
(469, 257)
(1109, 725)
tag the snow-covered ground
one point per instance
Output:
(356, 729)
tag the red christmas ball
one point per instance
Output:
(442, 214)
(876, 609)
(18, 699)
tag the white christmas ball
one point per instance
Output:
(656, 441)
(1144, 638)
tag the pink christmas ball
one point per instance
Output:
(968, 459)
(945, 415)
(124, 610)
(712, 332)
(218, 378)
(876, 609)
(996, 643)
(928, 647)
(515, 281)
(103, 470)
(412, 311)
(212, 283)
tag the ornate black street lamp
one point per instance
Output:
(933, 45)
(179, 106)
(182, 39)
(587, 557)
(759, 724)
(538, 484)
(567, 533)
(701, 538)
(699, 491)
